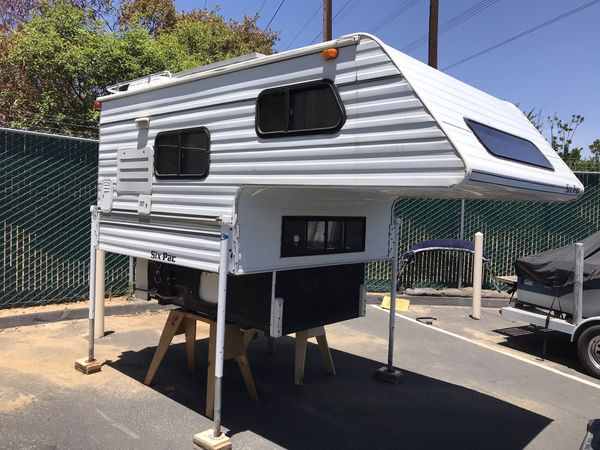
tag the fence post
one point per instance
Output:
(578, 284)
(477, 269)
(100, 293)
(131, 274)
(461, 256)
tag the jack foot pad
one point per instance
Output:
(88, 367)
(391, 377)
(207, 441)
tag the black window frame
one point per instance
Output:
(285, 253)
(492, 152)
(306, 131)
(179, 133)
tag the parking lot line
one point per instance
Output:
(495, 349)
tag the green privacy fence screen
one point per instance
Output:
(510, 229)
(47, 184)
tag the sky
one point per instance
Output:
(555, 69)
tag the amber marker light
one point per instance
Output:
(330, 53)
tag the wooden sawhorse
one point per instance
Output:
(180, 322)
(301, 340)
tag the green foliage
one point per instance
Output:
(152, 15)
(560, 135)
(53, 66)
(595, 149)
(562, 132)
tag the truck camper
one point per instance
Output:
(302, 154)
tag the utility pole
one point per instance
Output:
(326, 20)
(433, 32)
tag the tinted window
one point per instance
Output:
(299, 109)
(322, 235)
(508, 146)
(182, 154)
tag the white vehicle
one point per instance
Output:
(302, 154)
(559, 289)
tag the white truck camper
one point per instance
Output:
(303, 153)
(279, 173)
(254, 190)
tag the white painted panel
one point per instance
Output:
(260, 212)
(134, 170)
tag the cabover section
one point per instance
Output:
(499, 172)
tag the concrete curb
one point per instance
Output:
(139, 306)
(442, 301)
(132, 307)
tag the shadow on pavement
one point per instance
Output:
(350, 410)
(528, 339)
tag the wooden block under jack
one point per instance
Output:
(88, 367)
(207, 441)
(384, 374)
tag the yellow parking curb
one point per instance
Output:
(402, 304)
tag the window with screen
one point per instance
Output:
(508, 146)
(182, 153)
(303, 236)
(299, 109)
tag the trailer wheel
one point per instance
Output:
(588, 348)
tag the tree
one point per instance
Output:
(561, 133)
(153, 15)
(595, 148)
(13, 13)
(53, 66)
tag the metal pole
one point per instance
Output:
(390, 365)
(433, 32)
(221, 308)
(578, 285)
(131, 273)
(326, 20)
(461, 256)
(92, 280)
(100, 291)
(477, 270)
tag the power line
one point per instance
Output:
(344, 14)
(520, 35)
(454, 22)
(304, 27)
(393, 15)
(276, 11)
(261, 7)
(334, 17)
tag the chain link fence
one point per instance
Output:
(47, 184)
(510, 230)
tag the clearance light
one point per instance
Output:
(330, 53)
(97, 106)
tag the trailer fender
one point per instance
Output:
(583, 325)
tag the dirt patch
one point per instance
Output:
(11, 402)
(116, 301)
(50, 350)
(454, 292)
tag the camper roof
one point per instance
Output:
(151, 82)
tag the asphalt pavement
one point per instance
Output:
(454, 393)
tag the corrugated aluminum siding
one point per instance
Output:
(389, 139)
